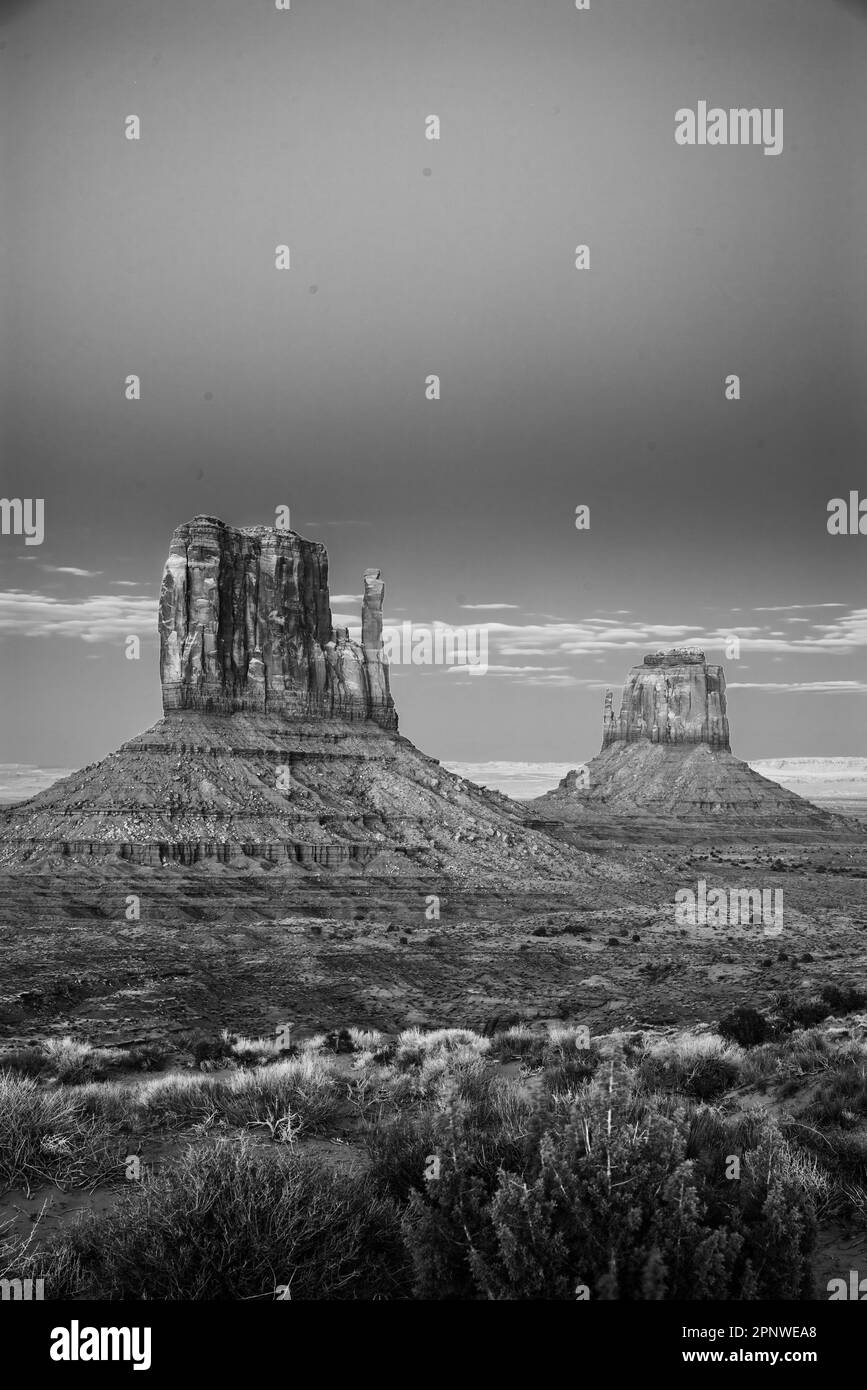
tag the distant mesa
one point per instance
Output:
(666, 757)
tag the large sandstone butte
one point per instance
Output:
(278, 744)
(245, 627)
(666, 758)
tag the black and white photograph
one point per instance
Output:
(433, 675)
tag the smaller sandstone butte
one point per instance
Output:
(674, 697)
(666, 759)
(245, 628)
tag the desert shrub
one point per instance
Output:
(841, 1098)
(702, 1066)
(566, 1040)
(234, 1221)
(150, 1056)
(493, 1115)
(807, 1014)
(208, 1049)
(560, 1043)
(369, 1040)
(604, 1196)
(799, 1011)
(519, 1041)
(461, 1073)
(843, 999)
(289, 1097)
(414, 1045)
(745, 1026)
(71, 1062)
(48, 1136)
(569, 1073)
(793, 1055)
(256, 1051)
(303, 1089)
(398, 1149)
(712, 1077)
(25, 1061)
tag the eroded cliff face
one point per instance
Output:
(245, 627)
(673, 697)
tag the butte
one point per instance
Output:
(278, 747)
(666, 767)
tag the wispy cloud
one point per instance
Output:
(71, 569)
(792, 607)
(99, 618)
(518, 652)
(489, 606)
(501, 670)
(598, 636)
(802, 687)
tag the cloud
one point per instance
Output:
(71, 569)
(489, 605)
(100, 618)
(599, 636)
(791, 607)
(347, 598)
(517, 652)
(802, 687)
(514, 670)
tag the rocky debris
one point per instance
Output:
(673, 697)
(245, 627)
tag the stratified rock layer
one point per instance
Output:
(674, 697)
(245, 627)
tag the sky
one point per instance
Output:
(603, 387)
